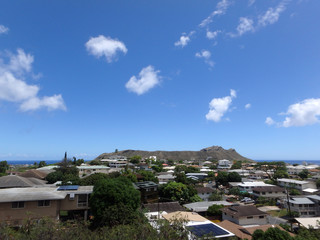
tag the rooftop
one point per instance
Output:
(203, 206)
(243, 211)
(204, 190)
(291, 181)
(168, 207)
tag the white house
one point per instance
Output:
(299, 185)
(248, 186)
(224, 164)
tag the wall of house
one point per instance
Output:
(31, 210)
(252, 220)
(269, 195)
(69, 204)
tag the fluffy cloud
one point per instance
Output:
(221, 8)
(148, 78)
(105, 46)
(272, 14)
(13, 87)
(3, 29)
(219, 106)
(269, 121)
(247, 106)
(183, 41)
(206, 55)
(306, 112)
(212, 35)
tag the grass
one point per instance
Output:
(278, 213)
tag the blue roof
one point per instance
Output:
(68, 188)
(207, 230)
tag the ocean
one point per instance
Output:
(14, 162)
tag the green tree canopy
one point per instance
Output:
(215, 210)
(148, 176)
(234, 177)
(222, 178)
(303, 174)
(271, 234)
(4, 166)
(237, 165)
(178, 192)
(114, 201)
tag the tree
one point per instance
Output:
(237, 165)
(42, 164)
(318, 183)
(271, 234)
(114, 202)
(222, 178)
(148, 176)
(294, 192)
(93, 179)
(4, 166)
(177, 192)
(280, 174)
(303, 174)
(234, 177)
(215, 210)
(135, 159)
(234, 191)
(215, 196)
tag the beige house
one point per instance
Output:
(244, 215)
(269, 192)
(18, 204)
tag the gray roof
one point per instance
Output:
(37, 194)
(17, 181)
(146, 184)
(30, 194)
(203, 206)
(302, 200)
(316, 197)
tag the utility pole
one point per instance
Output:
(289, 208)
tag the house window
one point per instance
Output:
(270, 192)
(263, 193)
(312, 213)
(249, 217)
(82, 200)
(261, 216)
(44, 203)
(18, 205)
(300, 205)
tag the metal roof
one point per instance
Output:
(302, 200)
(30, 194)
(203, 206)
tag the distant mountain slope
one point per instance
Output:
(214, 153)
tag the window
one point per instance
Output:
(82, 200)
(300, 205)
(312, 213)
(263, 193)
(44, 203)
(18, 205)
(249, 217)
(261, 216)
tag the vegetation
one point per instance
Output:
(224, 177)
(135, 159)
(237, 165)
(215, 196)
(215, 210)
(3, 168)
(178, 192)
(148, 176)
(114, 202)
(303, 174)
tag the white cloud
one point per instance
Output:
(219, 106)
(269, 121)
(3, 29)
(245, 25)
(105, 46)
(206, 55)
(183, 41)
(272, 14)
(303, 113)
(221, 8)
(21, 62)
(148, 78)
(247, 106)
(13, 87)
(212, 35)
(306, 112)
(51, 103)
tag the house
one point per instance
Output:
(16, 204)
(198, 226)
(303, 205)
(165, 178)
(168, 207)
(299, 185)
(33, 173)
(90, 169)
(204, 192)
(224, 164)
(244, 215)
(309, 222)
(269, 192)
(197, 176)
(248, 186)
(202, 207)
(15, 181)
(148, 191)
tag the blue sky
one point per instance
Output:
(89, 77)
